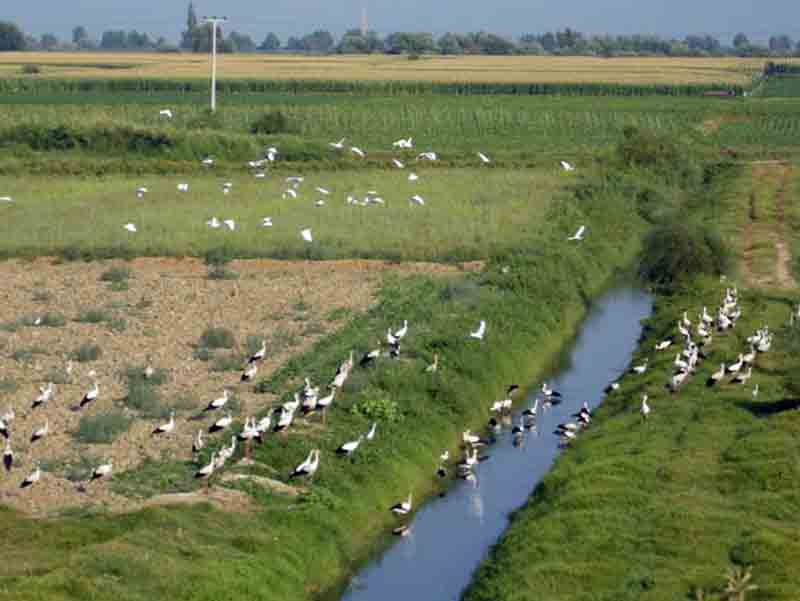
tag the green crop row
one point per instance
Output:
(372, 88)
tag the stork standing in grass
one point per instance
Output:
(403, 507)
(308, 468)
(644, 410)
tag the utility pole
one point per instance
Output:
(214, 21)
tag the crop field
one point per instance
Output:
(782, 86)
(480, 69)
(467, 215)
(191, 281)
(53, 134)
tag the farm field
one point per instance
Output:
(155, 312)
(782, 86)
(467, 215)
(479, 69)
(491, 243)
(128, 135)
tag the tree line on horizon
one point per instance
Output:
(197, 38)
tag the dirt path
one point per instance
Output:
(783, 270)
(765, 228)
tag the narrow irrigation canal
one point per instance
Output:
(450, 535)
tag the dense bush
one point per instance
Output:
(53, 320)
(274, 122)
(87, 352)
(676, 251)
(215, 338)
(104, 428)
(94, 316)
(665, 156)
(144, 398)
(116, 274)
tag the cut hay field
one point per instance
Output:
(483, 69)
(468, 214)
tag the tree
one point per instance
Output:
(294, 44)
(187, 37)
(410, 43)
(201, 39)
(239, 42)
(450, 43)
(740, 41)
(137, 41)
(80, 37)
(11, 37)
(113, 40)
(548, 42)
(320, 41)
(48, 42)
(781, 44)
(271, 43)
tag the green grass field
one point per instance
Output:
(469, 214)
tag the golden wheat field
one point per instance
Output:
(489, 69)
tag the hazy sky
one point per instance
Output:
(722, 18)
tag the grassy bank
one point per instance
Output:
(662, 510)
(671, 508)
(293, 549)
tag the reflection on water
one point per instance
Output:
(450, 535)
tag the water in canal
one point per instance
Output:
(452, 534)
